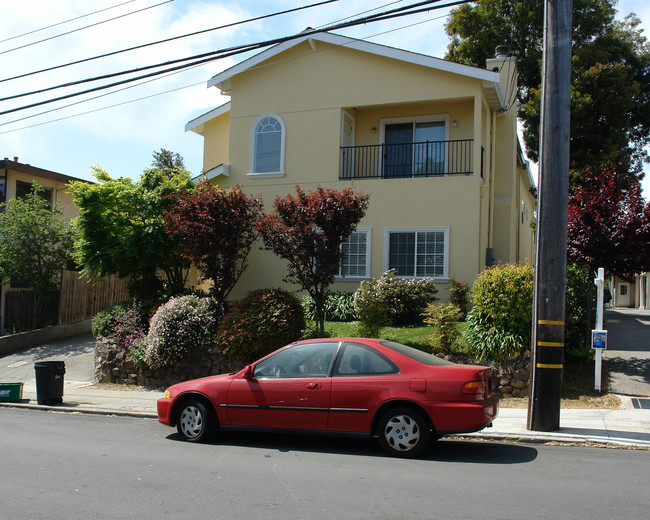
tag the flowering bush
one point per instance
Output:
(263, 321)
(392, 301)
(180, 327)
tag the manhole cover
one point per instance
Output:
(641, 404)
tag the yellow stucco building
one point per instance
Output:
(433, 142)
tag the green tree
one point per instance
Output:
(168, 162)
(35, 247)
(121, 230)
(610, 93)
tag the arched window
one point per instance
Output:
(267, 145)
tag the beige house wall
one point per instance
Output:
(311, 90)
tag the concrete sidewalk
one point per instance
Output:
(628, 427)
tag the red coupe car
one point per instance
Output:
(401, 395)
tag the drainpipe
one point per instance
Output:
(493, 147)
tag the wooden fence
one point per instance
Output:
(81, 299)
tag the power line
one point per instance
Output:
(208, 57)
(171, 90)
(86, 27)
(113, 53)
(65, 21)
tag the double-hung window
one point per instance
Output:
(267, 146)
(418, 252)
(355, 262)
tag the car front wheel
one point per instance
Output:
(404, 432)
(195, 423)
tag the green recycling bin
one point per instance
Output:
(49, 382)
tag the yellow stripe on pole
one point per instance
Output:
(550, 322)
(549, 344)
(545, 365)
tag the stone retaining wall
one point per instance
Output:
(509, 379)
(113, 366)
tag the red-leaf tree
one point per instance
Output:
(216, 230)
(608, 226)
(307, 230)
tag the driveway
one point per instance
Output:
(628, 351)
(78, 353)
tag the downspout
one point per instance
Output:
(493, 147)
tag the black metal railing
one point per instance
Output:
(394, 161)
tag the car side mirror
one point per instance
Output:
(248, 372)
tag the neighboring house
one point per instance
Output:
(433, 142)
(16, 180)
(634, 294)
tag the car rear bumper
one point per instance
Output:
(464, 417)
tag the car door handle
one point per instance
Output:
(313, 386)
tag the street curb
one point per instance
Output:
(62, 408)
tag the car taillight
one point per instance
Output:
(474, 388)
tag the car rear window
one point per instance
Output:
(415, 354)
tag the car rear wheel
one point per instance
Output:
(195, 422)
(404, 432)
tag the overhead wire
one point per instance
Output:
(214, 55)
(167, 40)
(177, 72)
(245, 48)
(66, 21)
(86, 27)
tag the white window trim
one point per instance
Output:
(444, 229)
(368, 234)
(265, 175)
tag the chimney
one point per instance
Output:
(15, 159)
(501, 52)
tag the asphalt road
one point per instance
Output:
(628, 351)
(58, 465)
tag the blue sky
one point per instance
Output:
(121, 139)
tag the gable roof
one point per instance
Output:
(491, 80)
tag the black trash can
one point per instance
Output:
(49, 381)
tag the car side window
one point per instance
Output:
(306, 360)
(361, 360)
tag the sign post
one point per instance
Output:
(598, 335)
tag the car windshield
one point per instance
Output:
(415, 354)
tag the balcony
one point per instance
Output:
(407, 160)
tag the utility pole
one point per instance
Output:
(547, 359)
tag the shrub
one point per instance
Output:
(179, 328)
(443, 317)
(500, 322)
(459, 296)
(104, 321)
(578, 321)
(263, 321)
(392, 301)
(339, 306)
(489, 342)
